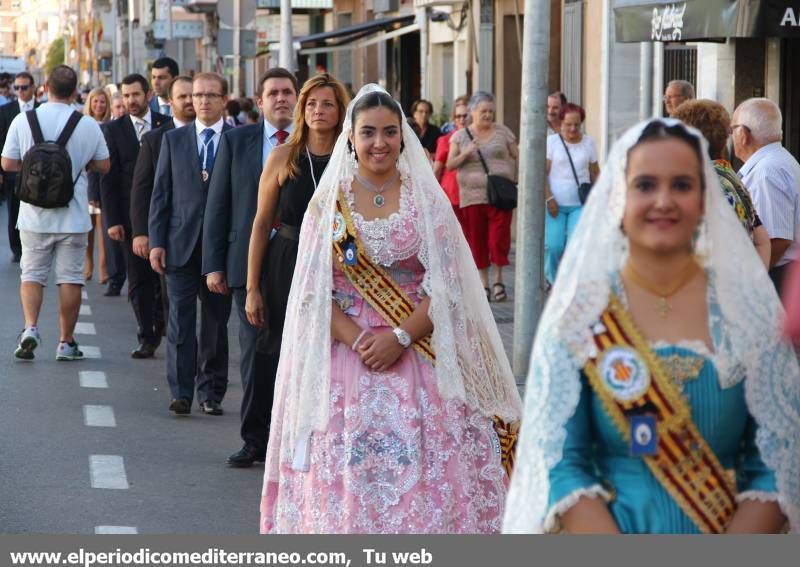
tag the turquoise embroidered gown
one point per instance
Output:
(596, 456)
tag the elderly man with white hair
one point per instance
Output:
(772, 176)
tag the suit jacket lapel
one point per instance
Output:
(190, 152)
(255, 150)
(130, 131)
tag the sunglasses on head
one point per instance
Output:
(21, 87)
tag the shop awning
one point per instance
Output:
(698, 20)
(349, 34)
(351, 37)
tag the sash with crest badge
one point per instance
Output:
(651, 413)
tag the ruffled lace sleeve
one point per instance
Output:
(574, 475)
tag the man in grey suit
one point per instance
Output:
(232, 202)
(185, 163)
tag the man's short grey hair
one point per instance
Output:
(687, 88)
(763, 118)
(479, 97)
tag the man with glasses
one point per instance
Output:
(24, 89)
(185, 164)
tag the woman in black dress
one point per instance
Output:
(289, 179)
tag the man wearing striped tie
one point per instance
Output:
(123, 139)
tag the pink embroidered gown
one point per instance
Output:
(396, 457)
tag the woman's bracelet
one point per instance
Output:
(548, 200)
(358, 340)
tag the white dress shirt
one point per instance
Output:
(146, 121)
(25, 106)
(772, 176)
(270, 140)
(201, 138)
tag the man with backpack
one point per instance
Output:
(51, 148)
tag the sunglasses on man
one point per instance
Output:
(21, 87)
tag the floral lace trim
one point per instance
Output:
(757, 495)
(552, 522)
(391, 239)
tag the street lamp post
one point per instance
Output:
(529, 282)
(287, 49)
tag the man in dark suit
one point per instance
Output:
(230, 210)
(180, 97)
(163, 71)
(25, 89)
(123, 137)
(185, 164)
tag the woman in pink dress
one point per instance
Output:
(393, 382)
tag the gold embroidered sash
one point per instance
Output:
(380, 290)
(629, 379)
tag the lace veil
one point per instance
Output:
(471, 364)
(745, 328)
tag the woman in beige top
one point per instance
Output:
(487, 228)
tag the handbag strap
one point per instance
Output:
(572, 165)
(480, 155)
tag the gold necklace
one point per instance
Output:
(663, 295)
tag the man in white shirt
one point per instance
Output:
(771, 174)
(55, 237)
(185, 166)
(25, 88)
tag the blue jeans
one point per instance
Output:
(557, 232)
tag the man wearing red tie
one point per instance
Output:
(230, 209)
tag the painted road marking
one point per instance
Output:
(85, 310)
(91, 352)
(93, 378)
(84, 295)
(108, 471)
(85, 329)
(99, 416)
(107, 530)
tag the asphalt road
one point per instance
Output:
(77, 457)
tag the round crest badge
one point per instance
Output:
(624, 373)
(339, 227)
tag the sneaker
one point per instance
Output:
(28, 341)
(68, 351)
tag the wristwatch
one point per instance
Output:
(402, 337)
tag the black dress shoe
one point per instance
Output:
(181, 406)
(210, 408)
(112, 291)
(144, 350)
(246, 456)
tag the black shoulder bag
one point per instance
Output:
(583, 188)
(502, 192)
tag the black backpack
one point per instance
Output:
(45, 179)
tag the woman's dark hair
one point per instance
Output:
(233, 107)
(572, 108)
(375, 100)
(658, 130)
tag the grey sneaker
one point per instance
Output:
(69, 351)
(28, 341)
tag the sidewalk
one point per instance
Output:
(504, 311)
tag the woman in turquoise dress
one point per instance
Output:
(660, 397)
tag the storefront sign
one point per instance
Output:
(668, 22)
(698, 20)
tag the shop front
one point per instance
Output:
(747, 47)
